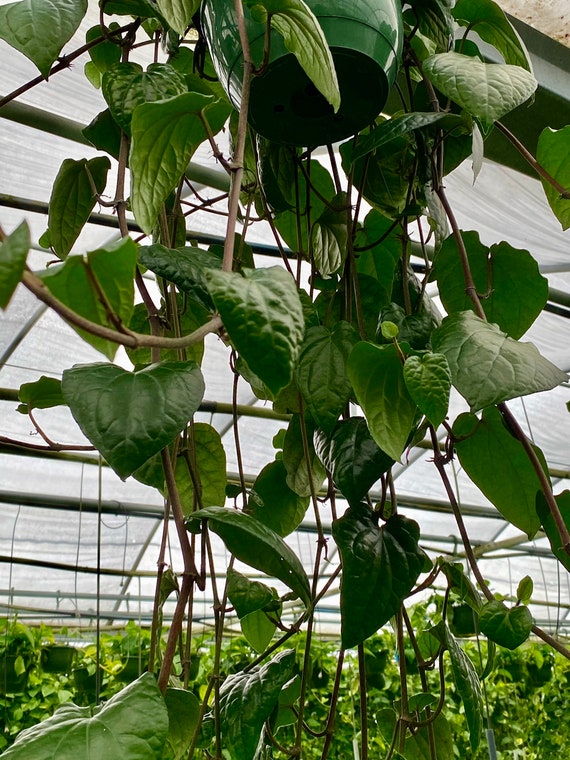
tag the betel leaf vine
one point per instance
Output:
(359, 344)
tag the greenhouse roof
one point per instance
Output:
(77, 543)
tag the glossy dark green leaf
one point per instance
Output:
(428, 381)
(247, 700)
(105, 54)
(417, 746)
(468, 685)
(165, 134)
(352, 457)
(434, 20)
(488, 20)
(329, 236)
(508, 627)
(460, 583)
(104, 133)
(301, 478)
(258, 546)
(488, 367)
(400, 125)
(44, 393)
(525, 589)
(204, 452)
(258, 630)
(126, 85)
(322, 375)
(512, 290)
(178, 13)
(132, 725)
(549, 524)
(379, 568)
(73, 198)
(40, 28)
(183, 716)
(130, 416)
(188, 268)
(553, 152)
(377, 375)
(13, 254)
(383, 175)
(273, 503)
(263, 316)
(497, 463)
(487, 91)
(247, 596)
(113, 269)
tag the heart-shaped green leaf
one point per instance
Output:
(488, 367)
(273, 503)
(428, 381)
(73, 198)
(488, 20)
(322, 374)
(262, 313)
(183, 717)
(256, 545)
(488, 91)
(553, 152)
(245, 595)
(498, 464)
(248, 699)
(377, 375)
(302, 478)
(204, 452)
(379, 568)
(42, 394)
(40, 28)
(130, 416)
(113, 269)
(178, 13)
(329, 236)
(258, 629)
(513, 290)
(400, 125)
(125, 86)
(132, 725)
(188, 268)
(165, 134)
(13, 254)
(352, 457)
(508, 627)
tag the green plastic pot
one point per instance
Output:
(84, 680)
(11, 681)
(365, 37)
(133, 666)
(57, 658)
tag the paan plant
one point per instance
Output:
(340, 336)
